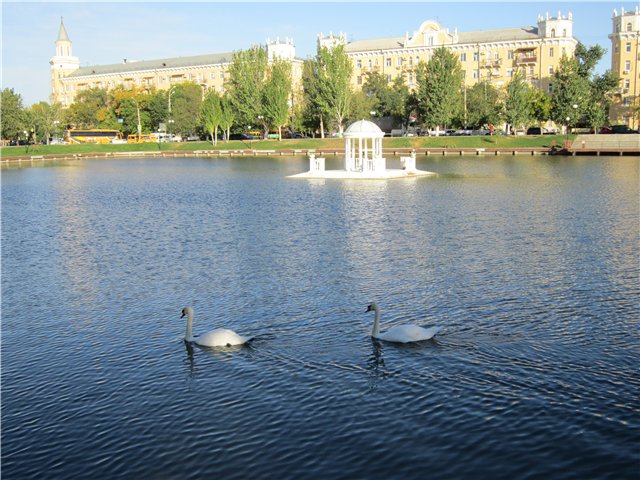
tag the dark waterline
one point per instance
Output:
(531, 265)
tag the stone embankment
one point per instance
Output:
(582, 145)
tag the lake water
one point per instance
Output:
(530, 264)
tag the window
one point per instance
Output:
(359, 80)
(388, 78)
(410, 78)
(387, 62)
(463, 57)
(564, 32)
(550, 88)
(628, 47)
(550, 69)
(553, 33)
(531, 71)
(370, 64)
(628, 27)
(475, 74)
(411, 61)
(510, 55)
(509, 72)
(627, 66)
(551, 52)
(358, 63)
(627, 83)
(399, 61)
(212, 75)
(626, 102)
(476, 56)
(221, 75)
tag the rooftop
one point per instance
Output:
(159, 64)
(482, 36)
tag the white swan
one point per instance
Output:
(400, 333)
(220, 337)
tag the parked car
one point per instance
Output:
(605, 131)
(534, 131)
(239, 136)
(622, 129)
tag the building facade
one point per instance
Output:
(491, 55)
(210, 71)
(625, 60)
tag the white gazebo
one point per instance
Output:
(362, 157)
(367, 159)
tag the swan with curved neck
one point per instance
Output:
(220, 337)
(400, 333)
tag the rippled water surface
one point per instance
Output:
(530, 264)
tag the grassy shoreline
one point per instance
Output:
(294, 144)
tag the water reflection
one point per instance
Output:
(375, 365)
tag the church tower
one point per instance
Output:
(62, 64)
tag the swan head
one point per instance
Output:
(372, 307)
(186, 311)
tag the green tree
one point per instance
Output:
(85, 110)
(362, 105)
(275, 95)
(185, 108)
(247, 74)
(333, 69)
(312, 112)
(211, 114)
(388, 99)
(517, 109)
(45, 119)
(12, 114)
(439, 89)
(570, 93)
(540, 105)
(600, 99)
(157, 106)
(228, 115)
(580, 96)
(481, 105)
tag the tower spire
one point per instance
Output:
(62, 33)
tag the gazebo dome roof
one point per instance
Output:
(363, 129)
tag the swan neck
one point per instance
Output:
(188, 335)
(376, 322)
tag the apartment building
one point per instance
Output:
(493, 55)
(210, 71)
(625, 60)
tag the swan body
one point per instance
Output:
(220, 337)
(400, 333)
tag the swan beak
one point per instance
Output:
(369, 309)
(183, 314)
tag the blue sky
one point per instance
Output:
(107, 32)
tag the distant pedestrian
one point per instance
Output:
(491, 129)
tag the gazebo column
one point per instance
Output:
(347, 154)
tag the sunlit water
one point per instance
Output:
(530, 264)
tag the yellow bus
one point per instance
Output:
(142, 138)
(92, 136)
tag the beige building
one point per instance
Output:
(210, 71)
(625, 61)
(494, 55)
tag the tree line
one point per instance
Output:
(259, 95)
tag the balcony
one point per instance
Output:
(495, 63)
(526, 59)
